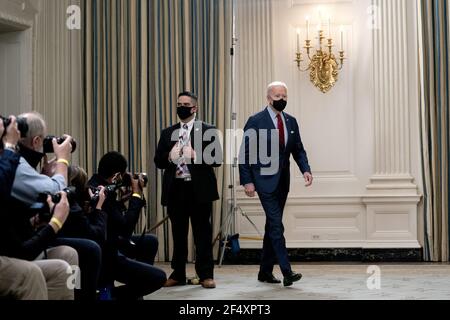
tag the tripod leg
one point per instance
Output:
(226, 234)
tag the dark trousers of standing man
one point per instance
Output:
(183, 206)
(274, 247)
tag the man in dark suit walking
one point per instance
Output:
(188, 152)
(276, 133)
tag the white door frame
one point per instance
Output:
(20, 15)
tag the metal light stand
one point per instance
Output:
(233, 208)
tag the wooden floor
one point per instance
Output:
(321, 282)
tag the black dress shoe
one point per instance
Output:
(267, 277)
(290, 279)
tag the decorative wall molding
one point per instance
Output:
(17, 13)
(392, 99)
(362, 221)
(317, 2)
(15, 21)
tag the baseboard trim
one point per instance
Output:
(252, 256)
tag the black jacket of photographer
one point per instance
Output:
(121, 220)
(85, 225)
(18, 239)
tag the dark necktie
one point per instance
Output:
(281, 131)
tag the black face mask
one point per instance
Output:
(32, 157)
(280, 105)
(184, 112)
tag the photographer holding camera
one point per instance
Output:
(20, 279)
(87, 219)
(28, 183)
(29, 187)
(126, 258)
(85, 230)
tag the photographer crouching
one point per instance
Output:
(126, 258)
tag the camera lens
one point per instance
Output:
(48, 143)
(22, 125)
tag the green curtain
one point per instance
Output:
(138, 55)
(435, 126)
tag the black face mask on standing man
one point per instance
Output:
(184, 112)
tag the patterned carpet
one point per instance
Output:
(321, 282)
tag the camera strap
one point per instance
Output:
(145, 227)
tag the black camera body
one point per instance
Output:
(41, 208)
(109, 191)
(22, 125)
(48, 143)
(126, 181)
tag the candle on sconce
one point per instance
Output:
(319, 33)
(298, 39)
(342, 38)
(307, 28)
(319, 26)
(329, 28)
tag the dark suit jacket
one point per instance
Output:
(9, 161)
(251, 172)
(17, 237)
(80, 224)
(205, 141)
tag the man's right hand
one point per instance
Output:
(61, 211)
(101, 197)
(63, 151)
(174, 155)
(250, 190)
(136, 184)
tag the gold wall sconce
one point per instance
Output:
(323, 65)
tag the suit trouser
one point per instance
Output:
(144, 250)
(90, 259)
(135, 265)
(182, 207)
(57, 270)
(140, 278)
(22, 280)
(274, 246)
